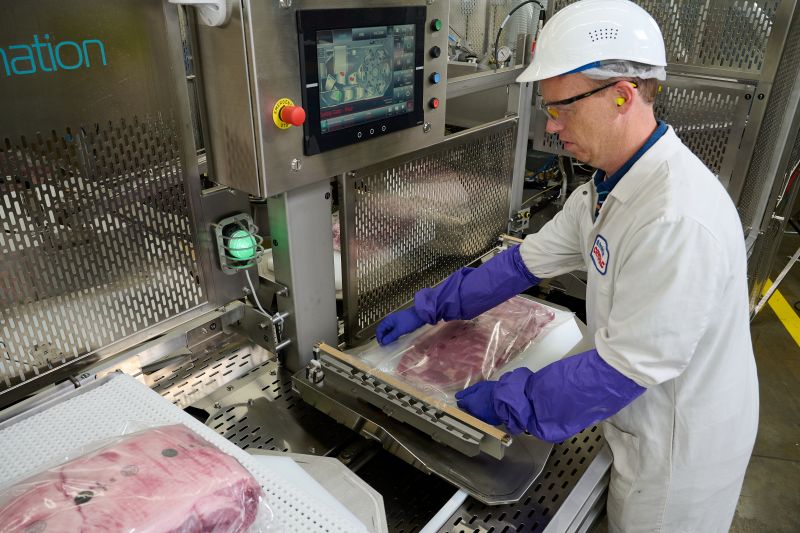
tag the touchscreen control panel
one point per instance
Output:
(298, 92)
(362, 73)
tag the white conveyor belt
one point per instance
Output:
(103, 409)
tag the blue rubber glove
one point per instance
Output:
(468, 292)
(397, 324)
(464, 295)
(556, 402)
(478, 401)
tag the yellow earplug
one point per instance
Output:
(620, 100)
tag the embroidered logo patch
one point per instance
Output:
(600, 254)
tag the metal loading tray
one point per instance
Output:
(444, 423)
(374, 405)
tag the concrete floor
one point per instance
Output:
(770, 499)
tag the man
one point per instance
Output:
(673, 373)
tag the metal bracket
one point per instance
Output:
(264, 330)
(210, 12)
(314, 372)
(519, 222)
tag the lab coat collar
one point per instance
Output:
(624, 189)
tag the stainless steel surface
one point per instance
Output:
(468, 79)
(302, 251)
(260, 411)
(411, 221)
(587, 499)
(474, 109)
(482, 476)
(99, 194)
(567, 464)
(524, 93)
(709, 116)
(776, 154)
(725, 38)
(252, 62)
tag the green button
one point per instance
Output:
(242, 245)
(436, 25)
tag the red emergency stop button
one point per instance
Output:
(434, 103)
(294, 115)
(285, 114)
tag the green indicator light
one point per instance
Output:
(436, 25)
(242, 245)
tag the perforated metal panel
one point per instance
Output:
(409, 224)
(776, 152)
(760, 175)
(96, 240)
(96, 230)
(476, 22)
(726, 34)
(567, 463)
(709, 117)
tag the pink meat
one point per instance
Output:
(457, 354)
(166, 479)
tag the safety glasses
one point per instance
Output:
(555, 109)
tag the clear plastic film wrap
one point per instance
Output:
(160, 479)
(446, 358)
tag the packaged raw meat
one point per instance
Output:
(450, 356)
(164, 479)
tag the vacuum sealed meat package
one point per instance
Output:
(450, 356)
(163, 479)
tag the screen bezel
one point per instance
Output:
(309, 22)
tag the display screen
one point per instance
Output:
(362, 73)
(365, 74)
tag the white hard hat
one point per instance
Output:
(589, 33)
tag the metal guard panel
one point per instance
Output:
(96, 244)
(95, 191)
(727, 34)
(411, 223)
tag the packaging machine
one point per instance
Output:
(154, 153)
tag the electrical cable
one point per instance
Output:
(505, 20)
(253, 293)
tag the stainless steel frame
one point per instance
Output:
(302, 250)
(411, 221)
(253, 61)
(101, 193)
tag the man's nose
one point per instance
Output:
(553, 126)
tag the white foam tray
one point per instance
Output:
(103, 411)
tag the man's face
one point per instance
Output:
(583, 126)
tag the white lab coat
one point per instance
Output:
(667, 304)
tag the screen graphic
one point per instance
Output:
(365, 74)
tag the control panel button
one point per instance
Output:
(434, 103)
(436, 24)
(294, 115)
(285, 114)
(435, 78)
(435, 52)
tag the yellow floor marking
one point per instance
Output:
(784, 311)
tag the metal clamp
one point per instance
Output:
(314, 372)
